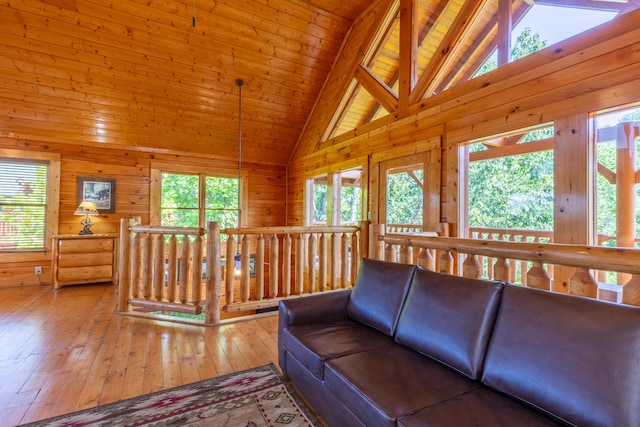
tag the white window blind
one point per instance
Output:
(23, 204)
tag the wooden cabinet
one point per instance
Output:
(83, 259)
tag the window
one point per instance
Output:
(511, 181)
(188, 199)
(28, 200)
(617, 136)
(336, 198)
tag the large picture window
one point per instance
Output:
(188, 199)
(26, 203)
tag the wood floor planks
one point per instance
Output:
(66, 350)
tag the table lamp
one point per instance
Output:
(87, 209)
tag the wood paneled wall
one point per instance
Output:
(131, 170)
(591, 72)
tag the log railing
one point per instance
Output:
(289, 262)
(584, 259)
(168, 270)
(161, 269)
(516, 267)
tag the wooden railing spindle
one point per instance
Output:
(311, 274)
(273, 266)
(583, 284)
(286, 266)
(259, 267)
(322, 262)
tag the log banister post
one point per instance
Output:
(214, 275)
(196, 277)
(355, 257)
(363, 247)
(377, 248)
(124, 266)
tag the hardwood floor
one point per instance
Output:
(66, 350)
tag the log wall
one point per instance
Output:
(131, 170)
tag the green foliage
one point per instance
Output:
(526, 43)
(319, 203)
(350, 204)
(23, 199)
(512, 192)
(606, 153)
(180, 204)
(404, 198)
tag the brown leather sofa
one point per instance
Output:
(409, 347)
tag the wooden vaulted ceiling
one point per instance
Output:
(139, 74)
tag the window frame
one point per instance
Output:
(52, 205)
(334, 186)
(158, 168)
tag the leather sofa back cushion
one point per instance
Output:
(379, 293)
(450, 319)
(573, 357)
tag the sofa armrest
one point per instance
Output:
(325, 307)
(319, 308)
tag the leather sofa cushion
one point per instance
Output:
(450, 318)
(313, 344)
(573, 357)
(481, 407)
(379, 293)
(334, 413)
(379, 386)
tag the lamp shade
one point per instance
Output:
(87, 208)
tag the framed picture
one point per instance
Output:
(101, 191)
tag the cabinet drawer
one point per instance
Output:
(84, 259)
(86, 245)
(101, 273)
(78, 260)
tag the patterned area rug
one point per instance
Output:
(256, 397)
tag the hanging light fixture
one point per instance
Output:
(239, 82)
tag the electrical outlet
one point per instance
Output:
(38, 270)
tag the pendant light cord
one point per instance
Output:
(239, 82)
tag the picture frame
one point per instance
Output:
(101, 191)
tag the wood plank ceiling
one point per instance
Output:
(138, 73)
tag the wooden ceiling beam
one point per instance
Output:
(460, 74)
(444, 56)
(407, 55)
(377, 88)
(512, 150)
